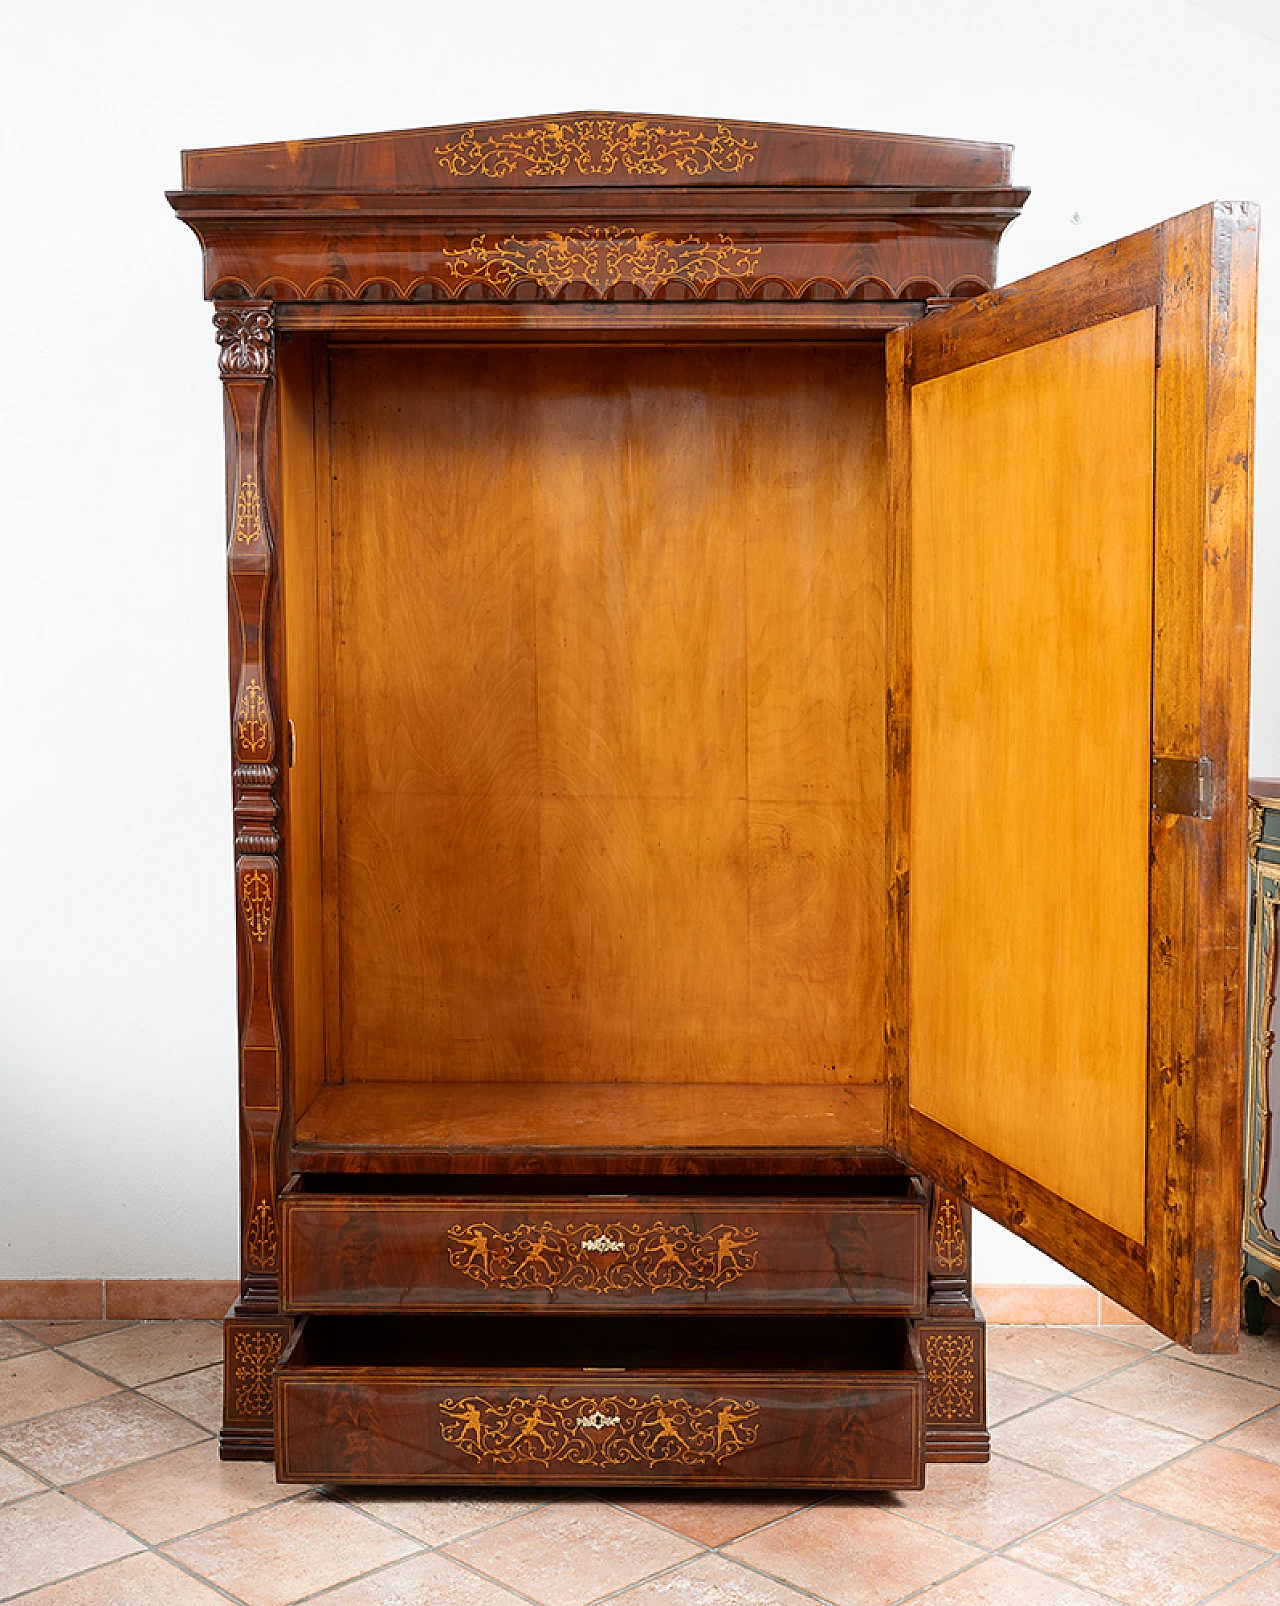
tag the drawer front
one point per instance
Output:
(849, 1432)
(364, 1253)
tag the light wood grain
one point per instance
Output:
(1230, 452)
(1181, 425)
(596, 1117)
(1197, 275)
(644, 916)
(641, 605)
(816, 949)
(1031, 601)
(590, 610)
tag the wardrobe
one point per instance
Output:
(739, 748)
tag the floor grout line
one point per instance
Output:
(205, 1435)
(805, 1505)
(478, 1572)
(190, 1572)
(157, 1545)
(609, 1500)
(1218, 1593)
(1120, 1492)
(351, 1499)
(759, 1572)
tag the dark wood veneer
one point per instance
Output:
(596, 1402)
(574, 516)
(601, 1250)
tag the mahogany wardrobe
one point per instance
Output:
(739, 755)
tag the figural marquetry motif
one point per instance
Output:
(602, 258)
(593, 146)
(610, 1259)
(261, 1244)
(951, 1368)
(257, 903)
(254, 1353)
(948, 1236)
(599, 1432)
(244, 342)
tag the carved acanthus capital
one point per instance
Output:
(244, 335)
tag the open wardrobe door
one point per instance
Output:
(1070, 468)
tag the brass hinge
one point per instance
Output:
(1182, 786)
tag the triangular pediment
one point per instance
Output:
(598, 148)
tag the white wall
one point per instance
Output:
(117, 1084)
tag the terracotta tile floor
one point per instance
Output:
(1124, 1471)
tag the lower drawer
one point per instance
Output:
(798, 1403)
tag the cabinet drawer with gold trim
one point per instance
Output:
(396, 1244)
(787, 1402)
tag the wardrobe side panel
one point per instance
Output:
(300, 746)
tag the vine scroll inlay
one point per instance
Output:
(608, 1259)
(950, 1364)
(248, 518)
(260, 1241)
(602, 258)
(254, 1353)
(948, 1236)
(253, 720)
(257, 901)
(593, 1432)
(594, 146)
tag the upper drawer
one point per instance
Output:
(853, 1242)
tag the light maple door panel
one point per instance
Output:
(1069, 468)
(606, 751)
(1030, 757)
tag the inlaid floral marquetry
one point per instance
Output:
(260, 1240)
(595, 146)
(602, 258)
(610, 1259)
(951, 1368)
(257, 903)
(604, 1432)
(246, 529)
(253, 720)
(254, 1353)
(948, 1236)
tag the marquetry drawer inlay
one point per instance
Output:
(613, 1258)
(591, 1430)
(818, 1402)
(364, 1251)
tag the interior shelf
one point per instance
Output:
(438, 1119)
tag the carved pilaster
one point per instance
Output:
(952, 1339)
(245, 360)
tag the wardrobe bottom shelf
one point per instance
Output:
(830, 1403)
